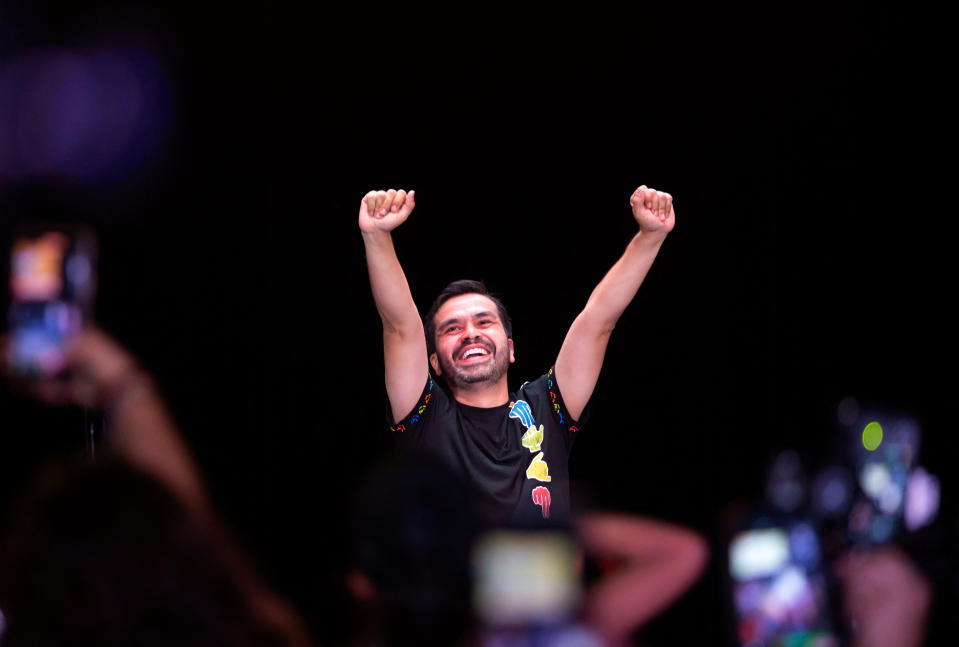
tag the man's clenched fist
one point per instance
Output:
(385, 210)
(653, 210)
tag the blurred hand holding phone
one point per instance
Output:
(817, 561)
(52, 293)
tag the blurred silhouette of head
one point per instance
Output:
(414, 524)
(103, 554)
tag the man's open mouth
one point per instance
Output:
(473, 351)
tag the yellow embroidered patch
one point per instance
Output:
(538, 469)
(533, 439)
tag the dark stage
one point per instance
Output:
(805, 266)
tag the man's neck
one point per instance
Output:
(482, 394)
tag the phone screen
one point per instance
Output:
(52, 285)
(886, 451)
(780, 589)
(525, 578)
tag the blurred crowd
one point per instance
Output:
(125, 548)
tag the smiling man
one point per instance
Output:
(468, 342)
(512, 447)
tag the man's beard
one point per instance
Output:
(459, 377)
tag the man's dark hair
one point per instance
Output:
(455, 289)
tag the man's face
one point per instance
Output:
(471, 342)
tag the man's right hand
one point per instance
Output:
(404, 344)
(385, 210)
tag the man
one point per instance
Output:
(513, 447)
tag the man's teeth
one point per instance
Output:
(474, 351)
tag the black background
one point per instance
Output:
(807, 264)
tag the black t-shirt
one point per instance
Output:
(516, 455)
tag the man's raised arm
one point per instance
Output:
(581, 357)
(404, 344)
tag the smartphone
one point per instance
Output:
(525, 578)
(52, 292)
(780, 587)
(885, 451)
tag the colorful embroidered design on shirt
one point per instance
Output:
(523, 413)
(541, 498)
(538, 469)
(557, 409)
(419, 410)
(533, 439)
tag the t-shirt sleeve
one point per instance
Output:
(559, 407)
(547, 388)
(410, 426)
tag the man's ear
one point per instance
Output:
(512, 356)
(435, 363)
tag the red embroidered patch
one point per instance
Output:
(542, 499)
